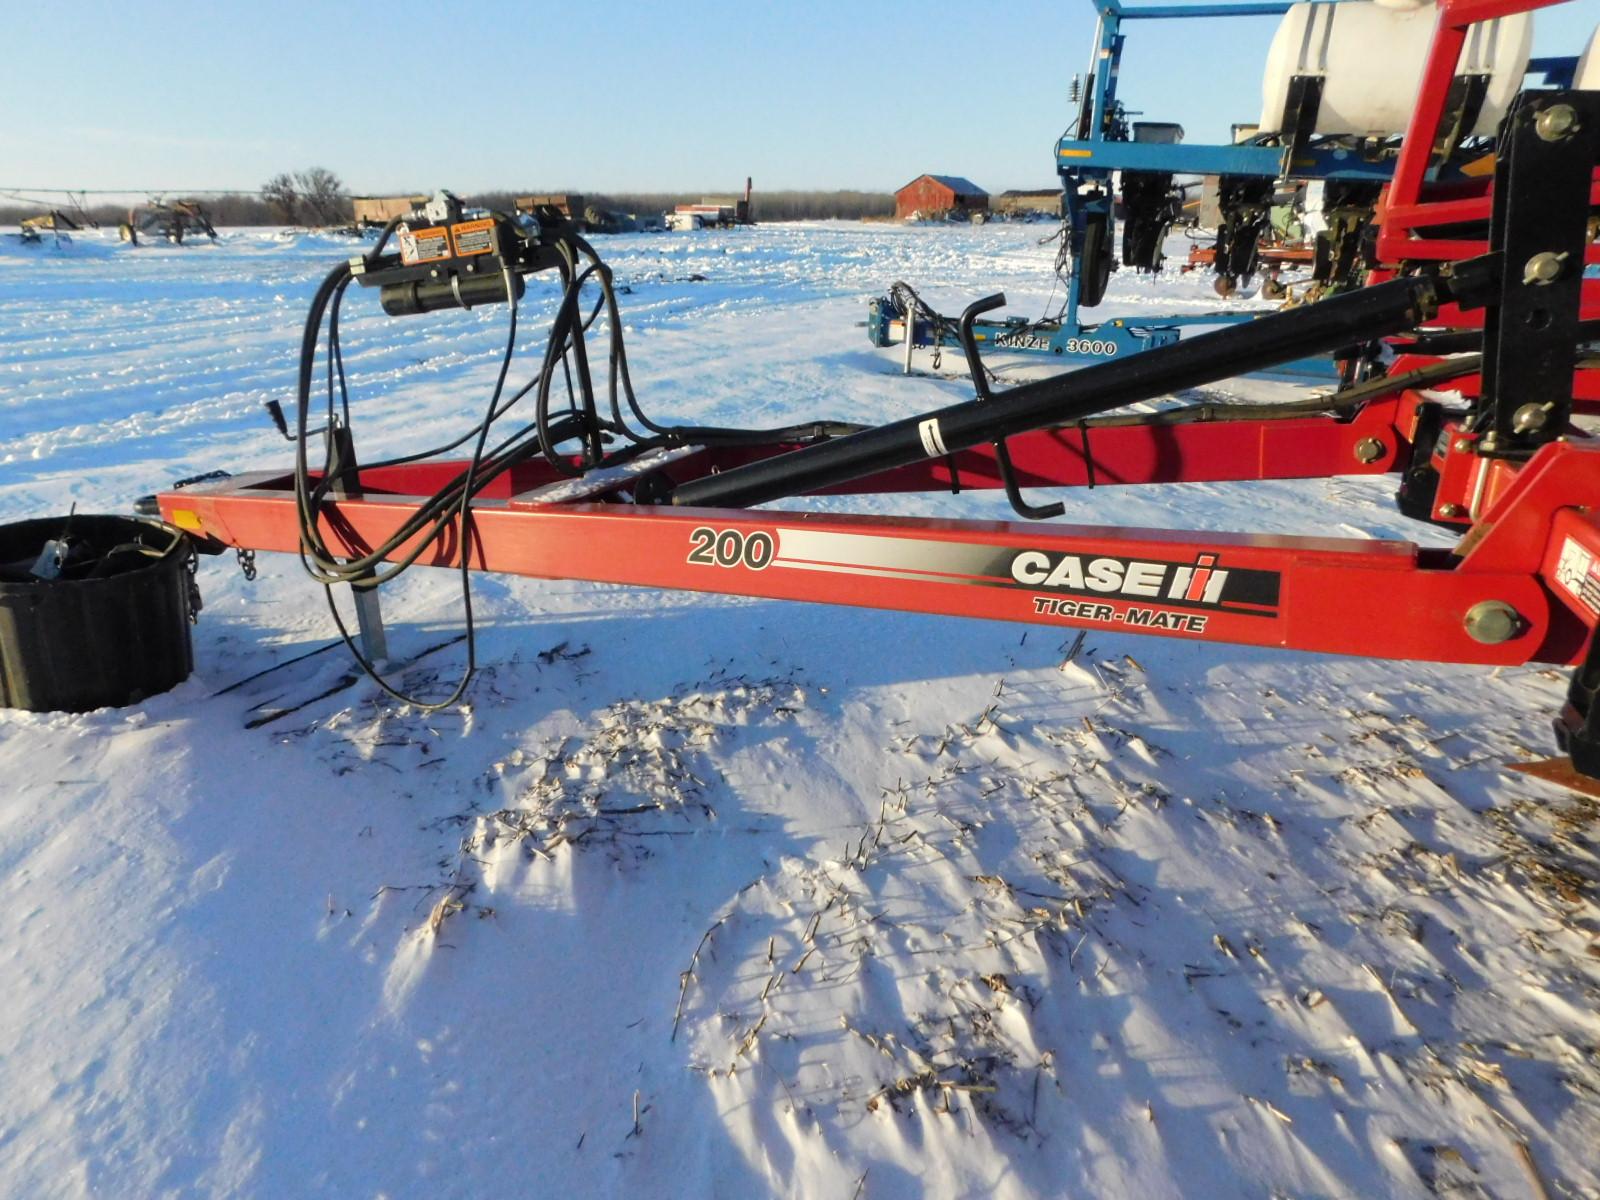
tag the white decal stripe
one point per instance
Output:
(876, 573)
(932, 438)
(872, 550)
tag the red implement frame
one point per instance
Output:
(1522, 586)
(1298, 254)
(1412, 212)
(1385, 599)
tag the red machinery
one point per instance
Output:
(1273, 256)
(673, 509)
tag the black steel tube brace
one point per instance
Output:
(1366, 313)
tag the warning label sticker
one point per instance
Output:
(473, 237)
(1579, 574)
(423, 245)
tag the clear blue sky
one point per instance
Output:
(685, 95)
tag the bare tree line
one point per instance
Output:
(313, 197)
(316, 196)
(232, 209)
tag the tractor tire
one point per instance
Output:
(1094, 264)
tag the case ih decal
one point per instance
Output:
(1199, 585)
(1202, 583)
(1105, 588)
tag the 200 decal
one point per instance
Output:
(731, 548)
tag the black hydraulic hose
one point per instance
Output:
(1452, 341)
(383, 238)
(430, 519)
(1459, 341)
(1282, 337)
(463, 514)
(621, 387)
(335, 279)
(562, 328)
(1325, 402)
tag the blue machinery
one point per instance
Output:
(1102, 141)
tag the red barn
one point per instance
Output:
(937, 195)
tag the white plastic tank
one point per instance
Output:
(1588, 77)
(1370, 55)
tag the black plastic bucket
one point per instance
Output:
(94, 612)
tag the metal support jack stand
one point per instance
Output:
(369, 613)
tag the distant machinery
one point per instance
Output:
(712, 213)
(570, 205)
(168, 222)
(1027, 204)
(374, 212)
(55, 222)
(586, 215)
(1339, 85)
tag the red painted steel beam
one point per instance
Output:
(1403, 208)
(1382, 599)
(1417, 148)
(1458, 211)
(1470, 12)
(1196, 452)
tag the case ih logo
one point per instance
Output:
(1198, 584)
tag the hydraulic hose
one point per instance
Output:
(1367, 313)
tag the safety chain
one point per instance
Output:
(207, 477)
(191, 564)
(247, 563)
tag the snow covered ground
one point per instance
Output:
(704, 896)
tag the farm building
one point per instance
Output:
(937, 195)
